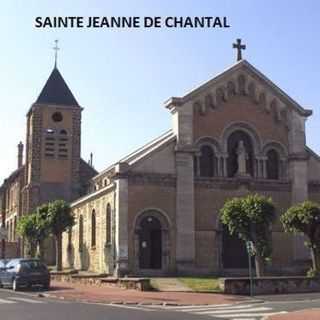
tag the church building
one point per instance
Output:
(156, 211)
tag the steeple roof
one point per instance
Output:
(56, 91)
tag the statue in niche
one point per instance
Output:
(242, 157)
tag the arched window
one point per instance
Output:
(207, 160)
(108, 224)
(93, 228)
(233, 143)
(80, 233)
(272, 164)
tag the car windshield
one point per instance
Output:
(32, 264)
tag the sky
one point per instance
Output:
(121, 77)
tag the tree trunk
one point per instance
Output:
(259, 266)
(315, 256)
(3, 249)
(41, 250)
(32, 250)
(59, 252)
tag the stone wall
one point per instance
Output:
(85, 256)
(270, 285)
(11, 250)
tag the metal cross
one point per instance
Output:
(239, 47)
(56, 48)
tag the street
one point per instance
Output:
(27, 306)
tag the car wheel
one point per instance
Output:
(15, 286)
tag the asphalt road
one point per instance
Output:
(26, 306)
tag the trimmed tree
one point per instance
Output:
(250, 218)
(34, 228)
(60, 219)
(304, 218)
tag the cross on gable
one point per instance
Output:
(239, 47)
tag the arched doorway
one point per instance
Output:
(150, 243)
(234, 253)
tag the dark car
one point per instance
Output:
(18, 273)
(3, 263)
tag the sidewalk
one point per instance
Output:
(105, 294)
(310, 314)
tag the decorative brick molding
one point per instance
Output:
(235, 183)
(158, 179)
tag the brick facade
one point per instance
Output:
(161, 181)
(155, 212)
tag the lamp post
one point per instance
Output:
(250, 251)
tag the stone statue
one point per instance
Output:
(242, 157)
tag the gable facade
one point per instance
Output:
(157, 210)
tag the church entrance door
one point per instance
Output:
(150, 244)
(234, 253)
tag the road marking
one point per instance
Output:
(127, 307)
(246, 315)
(25, 300)
(6, 301)
(214, 307)
(227, 311)
(194, 306)
(233, 311)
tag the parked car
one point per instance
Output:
(3, 263)
(18, 273)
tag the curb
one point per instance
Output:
(143, 303)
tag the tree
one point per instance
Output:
(60, 219)
(250, 218)
(35, 228)
(304, 218)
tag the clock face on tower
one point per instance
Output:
(57, 117)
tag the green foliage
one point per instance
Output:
(312, 273)
(60, 217)
(34, 227)
(304, 218)
(26, 227)
(250, 218)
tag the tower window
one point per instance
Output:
(57, 117)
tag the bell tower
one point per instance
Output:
(52, 145)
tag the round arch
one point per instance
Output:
(279, 147)
(152, 241)
(245, 127)
(209, 141)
